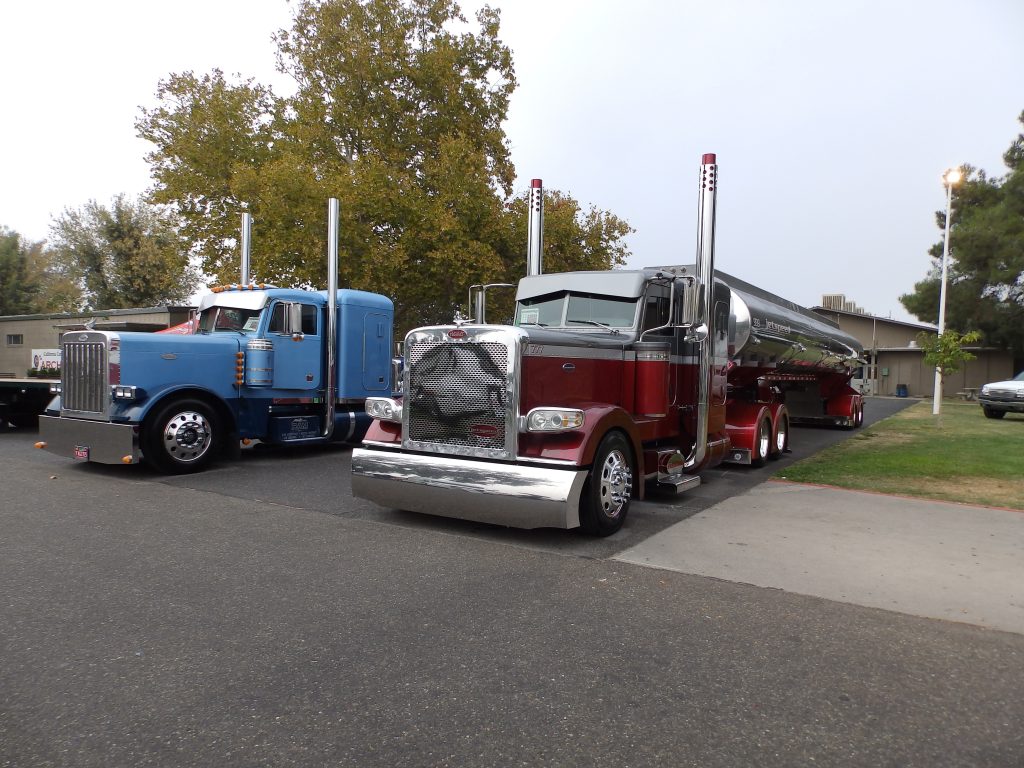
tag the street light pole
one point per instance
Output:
(950, 178)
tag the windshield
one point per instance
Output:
(1019, 376)
(577, 309)
(228, 320)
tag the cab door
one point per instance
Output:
(298, 355)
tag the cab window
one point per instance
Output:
(278, 323)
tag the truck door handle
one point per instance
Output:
(568, 367)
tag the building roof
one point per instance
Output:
(917, 326)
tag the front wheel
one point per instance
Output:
(182, 437)
(605, 500)
(992, 413)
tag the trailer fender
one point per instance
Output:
(847, 407)
(751, 430)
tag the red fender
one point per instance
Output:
(579, 446)
(742, 419)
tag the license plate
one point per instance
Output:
(82, 452)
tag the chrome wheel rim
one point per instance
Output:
(187, 436)
(782, 436)
(616, 484)
(764, 438)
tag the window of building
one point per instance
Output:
(15, 339)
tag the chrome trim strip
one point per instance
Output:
(547, 462)
(484, 491)
(579, 353)
(380, 444)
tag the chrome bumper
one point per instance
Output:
(84, 440)
(486, 491)
(1014, 406)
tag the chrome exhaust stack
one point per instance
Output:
(535, 230)
(246, 247)
(705, 276)
(332, 315)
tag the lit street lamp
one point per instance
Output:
(951, 177)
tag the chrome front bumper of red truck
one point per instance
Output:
(516, 495)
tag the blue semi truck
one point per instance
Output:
(279, 365)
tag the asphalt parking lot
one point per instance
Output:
(258, 615)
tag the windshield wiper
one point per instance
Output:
(599, 325)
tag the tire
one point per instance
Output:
(762, 443)
(991, 413)
(606, 495)
(781, 444)
(23, 420)
(183, 436)
(858, 419)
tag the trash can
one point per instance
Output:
(901, 390)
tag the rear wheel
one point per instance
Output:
(182, 437)
(858, 419)
(762, 443)
(606, 496)
(781, 444)
(992, 413)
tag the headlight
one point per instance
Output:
(122, 392)
(383, 408)
(55, 388)
(554, 419)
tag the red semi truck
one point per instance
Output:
(603, 383)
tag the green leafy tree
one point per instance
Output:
(985, 280)
(397, 112)
(129, 255)
(945, 351)
(19, 284)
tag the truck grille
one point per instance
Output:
(84, 385)
(460, 397)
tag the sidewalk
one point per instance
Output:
(925, 558)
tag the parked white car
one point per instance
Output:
(1002, 396)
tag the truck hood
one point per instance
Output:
(588, 338)
(1011, 385)
(147, 358)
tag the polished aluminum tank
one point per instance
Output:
(767, 330)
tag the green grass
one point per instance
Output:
(957, 456)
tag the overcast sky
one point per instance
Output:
(833, 121)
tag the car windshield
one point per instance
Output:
(577, 309)
(1019, 376)
(228, 320)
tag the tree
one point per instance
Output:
(398, 113)
(945, 351)
(130, 255)
(985, 281)
(19, 286)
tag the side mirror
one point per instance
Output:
(294, 319)
(689, 302)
